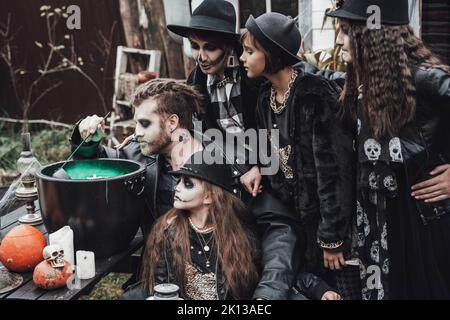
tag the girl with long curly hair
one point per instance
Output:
(397, 94)
(203, 244)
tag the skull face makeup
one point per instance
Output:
(151, 130)
(372, 149)
(210, 57)
(54, 255)
(189, 194)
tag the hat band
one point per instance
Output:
(215, 24)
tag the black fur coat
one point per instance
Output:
(323, 160)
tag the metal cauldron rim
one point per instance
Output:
(40, 175)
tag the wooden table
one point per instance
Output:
(122, 262)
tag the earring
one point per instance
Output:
(232, 61)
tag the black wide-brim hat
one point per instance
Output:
(393, 12)
(276, 33)
(219, 174)
(211, 15)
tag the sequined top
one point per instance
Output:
(199, 285)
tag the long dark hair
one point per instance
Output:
(382, 63)
(234, 249)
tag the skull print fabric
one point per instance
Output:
(387, 149)
(377, 182)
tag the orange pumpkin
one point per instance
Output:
(47, 277)
(21, 248)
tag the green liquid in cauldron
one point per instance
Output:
(95, 170)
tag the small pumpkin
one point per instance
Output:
(21, 248)
(47, 277)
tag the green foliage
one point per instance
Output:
(49, 145)
(109, 288)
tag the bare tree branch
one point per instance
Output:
(42, 121)
(43, 93)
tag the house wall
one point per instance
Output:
(436, 26)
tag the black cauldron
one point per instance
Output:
(102, 202)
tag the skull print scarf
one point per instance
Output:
(377, 160)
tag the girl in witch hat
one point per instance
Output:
(315, 150)
(203, 244)
(397, 95)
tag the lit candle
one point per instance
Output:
(85, 264)
(64, 237)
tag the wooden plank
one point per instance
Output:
(28, 291)
(129, 265)
(26, 277)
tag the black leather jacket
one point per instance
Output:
(426, 140)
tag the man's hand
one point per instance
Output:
(252, 181)
(333, 261)
(331, 295)
(436, 188)
(89, 125)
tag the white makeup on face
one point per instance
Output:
(151, 135)
(343, 40)
(253, 59)
(189, 194)
(210, 58)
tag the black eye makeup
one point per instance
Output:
(144, 123)
(187, 182)
(194, 46)
(210, 47)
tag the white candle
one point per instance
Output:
(64, 237)
(85, 264)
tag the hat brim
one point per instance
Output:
(185, 30)
(184, 172)
(293, 58)
(344, 14)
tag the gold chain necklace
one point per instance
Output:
(197, 229)
(204, 245)
(273, 103)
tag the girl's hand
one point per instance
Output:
(333, 261)
(125, 142)
(331, 295)
(434, 189)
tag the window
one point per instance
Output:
(258, 7)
